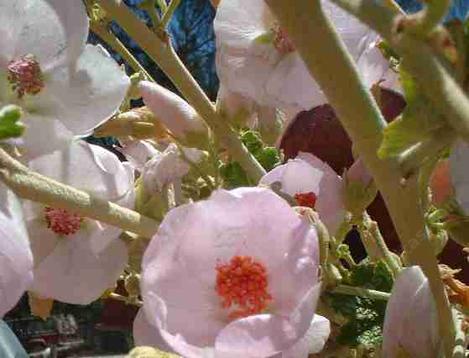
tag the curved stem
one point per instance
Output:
(326, 57)
(33, 186)
(163, 54)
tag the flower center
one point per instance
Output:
(281, 41)
(25, 75)
(61, 221)
(242, 286)
(306, 199)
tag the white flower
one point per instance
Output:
(16, 259)
(77, 258)
(174, 112)
(410, 324)
(168, 166)
(138, 152)
(242, 269)
(312, 183)
(256, 59)
(64, 86)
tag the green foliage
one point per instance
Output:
(418, 122)
(10, 127)
(234, 175)
(365, 316)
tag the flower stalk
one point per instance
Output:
(337, 75)
(361, 292)
(163, 54)
(33, 186)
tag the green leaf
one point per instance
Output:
(268, 157)
(418, 121)
(252, 140)
(233, 175)
(365, 316)
(10, 127)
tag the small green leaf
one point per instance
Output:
(10, 127)
(265, 38)
(233, 175)
(268, 157)
(252, 140)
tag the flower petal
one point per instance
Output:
(75, 269)
(410, 319)
(85, 93)
(16, 260)
(106, 177)
(267, 334)
(54, 31)
(145, 334)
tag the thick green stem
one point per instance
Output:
(163, 54)
(362, 292)
(32, 186)
(439, 86)
(333, 68)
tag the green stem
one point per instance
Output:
(412, 160)
(361, 292)
(103, 31)
(33, 186)
(326, 57)
(163, 54)
(433, 14)
(169, 13)
(433, 77)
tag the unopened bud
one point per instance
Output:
(176, 114)
(359, 188)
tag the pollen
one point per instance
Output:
(61, 221)
(281, 41)
(25, 75)
(242, 285)
(306, 199)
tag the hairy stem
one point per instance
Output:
(326, 57)
(439, 86)
(163, 54)
(33, 186)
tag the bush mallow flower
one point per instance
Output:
(257, 60)
(76, 258)
(176, 114)
(311, 183)
(169, 166)
(410, 324)
(64, 86)
(16, 259)
(242, 267)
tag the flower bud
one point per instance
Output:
(176, 114)
(359, 188)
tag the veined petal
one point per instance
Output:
(52, 30)
(85, 93)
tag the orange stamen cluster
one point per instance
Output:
(61, 221)
(306, 199)
(242, 286)
(281, 41)
(25, 75)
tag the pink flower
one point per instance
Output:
(16, 259)
(312, 183)
(64, 86)
(233, 276)
(75, 258)
(256, 59)
(410, 321)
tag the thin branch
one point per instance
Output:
(33, 186)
